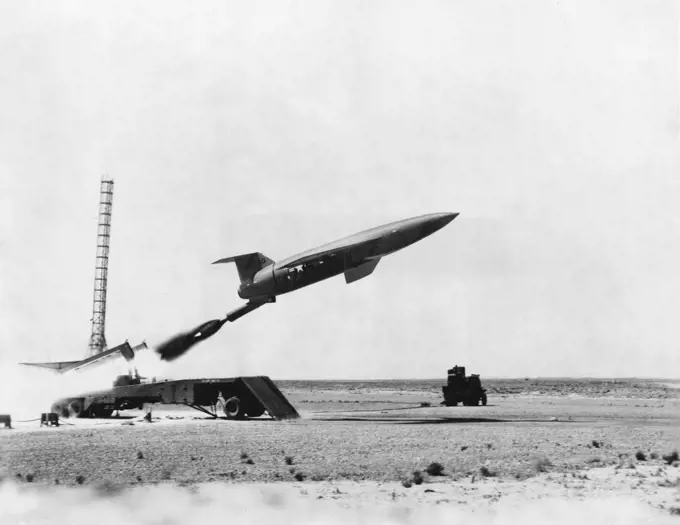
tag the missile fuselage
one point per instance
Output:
(322, 263)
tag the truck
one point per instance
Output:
(462, 389)
(236, 397)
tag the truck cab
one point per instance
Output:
(462, 389)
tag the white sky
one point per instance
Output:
(551, 126)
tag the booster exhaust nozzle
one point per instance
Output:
(181, 343)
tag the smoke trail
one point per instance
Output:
(27, 392)
(246, 504)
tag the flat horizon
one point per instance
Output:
(491, 378)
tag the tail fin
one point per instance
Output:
(248, 264)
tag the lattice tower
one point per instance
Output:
(98, 339)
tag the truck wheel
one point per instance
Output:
(233, 408)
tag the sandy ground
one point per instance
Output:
(358, 445)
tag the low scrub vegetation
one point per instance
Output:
(417, 477)
(541, 464)
(485, 472)
(435, 469)
(299, 476)
(671, 458)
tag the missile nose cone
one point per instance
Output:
(439, 220)
(447, 218)
(435, 222)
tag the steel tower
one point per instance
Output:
(98, 339)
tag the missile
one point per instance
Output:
(263, 279)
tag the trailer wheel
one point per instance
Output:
(100, 411)
(255, 410)
(75, 408)
(233, 408)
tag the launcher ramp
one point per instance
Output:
(272, 399)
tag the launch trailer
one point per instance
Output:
(237, 397)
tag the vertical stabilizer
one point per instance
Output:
(247, 264)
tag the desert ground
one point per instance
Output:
(370, 444)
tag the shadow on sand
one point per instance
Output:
(107, 418)
(476, 420)
(438, 420)
(415, 421)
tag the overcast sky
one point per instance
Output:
(229, 127)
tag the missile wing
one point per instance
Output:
(361, 271)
